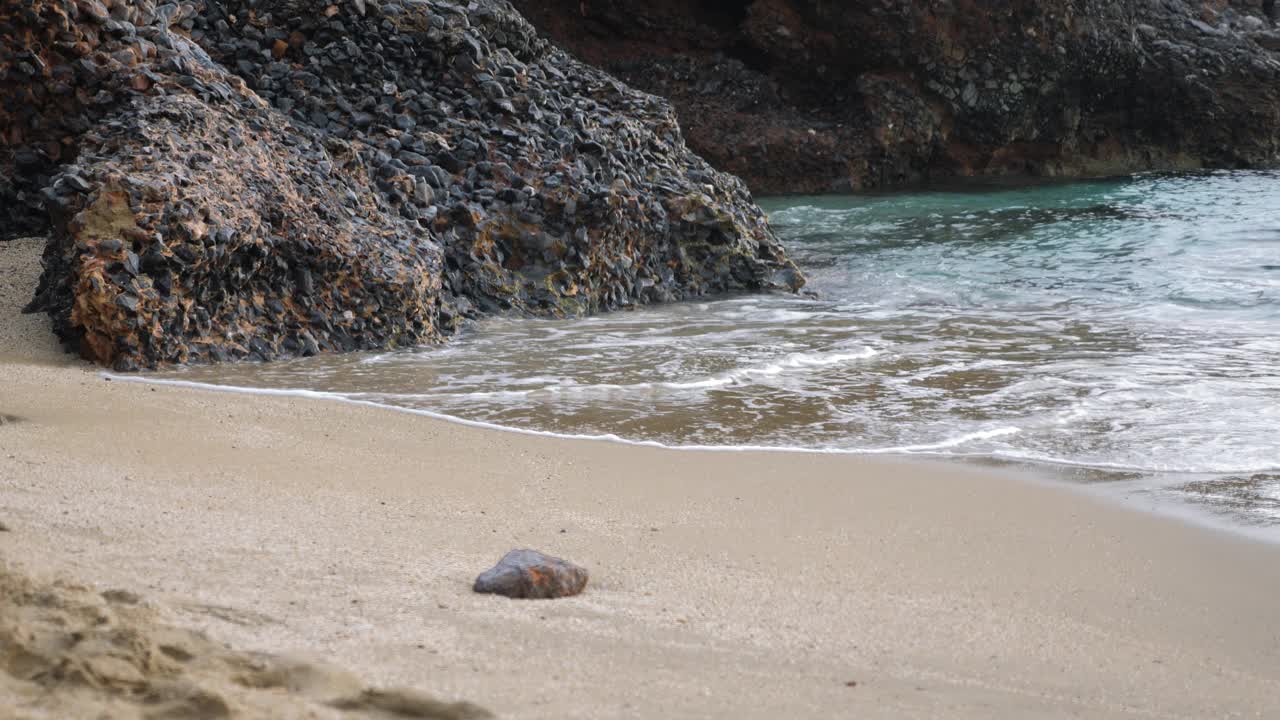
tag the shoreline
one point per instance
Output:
(743, 584)
(1056, 473)
(919, 451)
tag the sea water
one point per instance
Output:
(1125, 330)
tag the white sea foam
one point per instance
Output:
(605, 437)
(794, 361)
(1179, 471)
(1047, 325)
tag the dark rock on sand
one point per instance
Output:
(530, 574)
(121, 597)
(810, 95)
(253, 180)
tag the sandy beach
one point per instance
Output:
(726, 585)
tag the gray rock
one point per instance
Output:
(77, 183)
(423, 193)
(1249, 23)
(320, 157)
(529, 574)
(1269, 39)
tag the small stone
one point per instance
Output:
(95, 10)
(121, 597)
(529, 574)
(309, 345)
(1250, 23)
(423, 193)
(77, 183)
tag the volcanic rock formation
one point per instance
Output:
(812, 95)
(266, 178)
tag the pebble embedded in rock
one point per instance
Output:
(529, 574)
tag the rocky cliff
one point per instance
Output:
(812, 95)
(286, 177)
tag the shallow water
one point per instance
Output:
(1128, 328)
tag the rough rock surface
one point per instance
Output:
(531, 575)
(286, 177)
(811, 95)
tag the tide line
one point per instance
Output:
(607, 437)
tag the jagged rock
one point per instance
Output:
(276, 178)
(813, 96)
(531, 575)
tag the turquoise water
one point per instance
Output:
(1126, 330)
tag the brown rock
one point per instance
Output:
(95, 10)
(530, 574)
(799, 96)
(218, 220)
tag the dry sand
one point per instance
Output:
(726, 585)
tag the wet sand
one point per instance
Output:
(744, 585)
